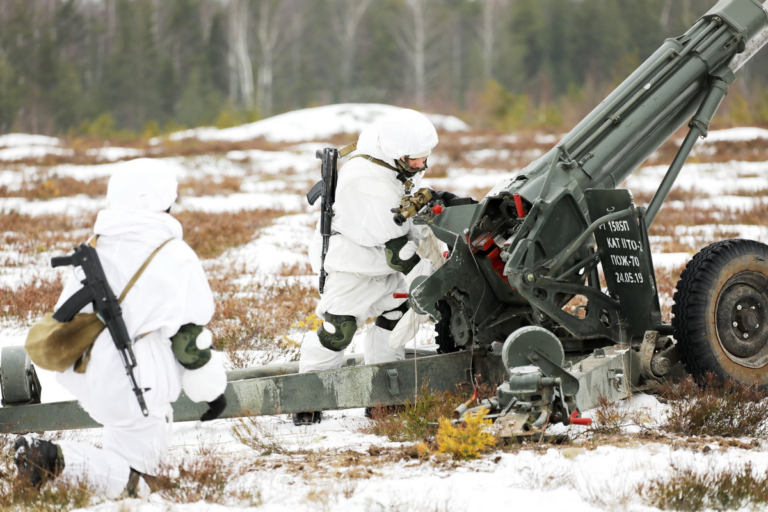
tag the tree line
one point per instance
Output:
(142, 67)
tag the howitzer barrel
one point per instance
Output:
(655, 101)
(536, 242)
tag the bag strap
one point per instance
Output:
(140, 271)
(347, 150)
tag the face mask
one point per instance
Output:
(407, 170)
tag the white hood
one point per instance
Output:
(406, 133)
(142, 184)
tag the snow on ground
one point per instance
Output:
(311, 124)
(114, 153)
(606, 477)
(25, 139)
(587, 480)
(736, 134)
(32, 152)
(714, 179)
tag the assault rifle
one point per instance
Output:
(96, 290)
(327, 189)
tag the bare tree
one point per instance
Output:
(346, 21)
(416, 37)
(488, 35)
(239, 62)
(273, 31)
(666, 10)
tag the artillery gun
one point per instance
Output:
(528, 251)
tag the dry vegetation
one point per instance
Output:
(253, 318)
(688, 490)
(17, 497)
(210, 234)
(714, 408)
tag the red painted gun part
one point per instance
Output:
(437, 209)
(399, 295)
(575, 420)
(519, 205)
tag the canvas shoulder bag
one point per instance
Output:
(54, 345)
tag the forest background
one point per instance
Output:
(131, 69)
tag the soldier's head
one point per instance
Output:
(142, 184)
(408, 138)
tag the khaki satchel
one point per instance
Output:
(56, 346)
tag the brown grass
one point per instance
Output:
(15, 496)
(30, 301)
(210, 234)
(716, 408)
(417, 421)
(209, 186)
(52, 188)
(204, 478)
(32, 234)
(258, 316)
(730, 488)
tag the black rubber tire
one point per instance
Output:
(722, 295)
(445, 342)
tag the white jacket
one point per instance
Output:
(172, 291)
(363, 221)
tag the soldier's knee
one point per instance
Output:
(389, 319)
(344, 330)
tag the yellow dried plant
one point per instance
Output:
(465, 441)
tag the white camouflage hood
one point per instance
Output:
(405, 133)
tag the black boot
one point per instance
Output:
(301, 419)
(37, 461)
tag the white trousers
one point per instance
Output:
(362, 297)
(129, 440)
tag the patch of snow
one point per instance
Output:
(715, 179)
(32, 152)
(546, 139)
(243, 201)
(273, 162)
(26, 139)
(311, 124)
(69, 206)
(112, 153)
(736, 134)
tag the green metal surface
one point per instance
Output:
(610, 373)
(539, 224)
(351, 387)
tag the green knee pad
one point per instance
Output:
(392, 250)
(345, 325)
(184, 345)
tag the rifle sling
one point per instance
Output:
(401, 178)
(74, 304)
(347, 150)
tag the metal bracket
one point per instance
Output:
(646, 353)
(616, 377)
(393, 387)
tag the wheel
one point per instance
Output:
(721, 312)
(18, 380)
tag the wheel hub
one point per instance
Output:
(742, 326)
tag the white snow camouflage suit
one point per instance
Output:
(172, 291)
(359, 282)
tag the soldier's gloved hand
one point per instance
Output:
(215, 408)
(443, 195)
(401, 254)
